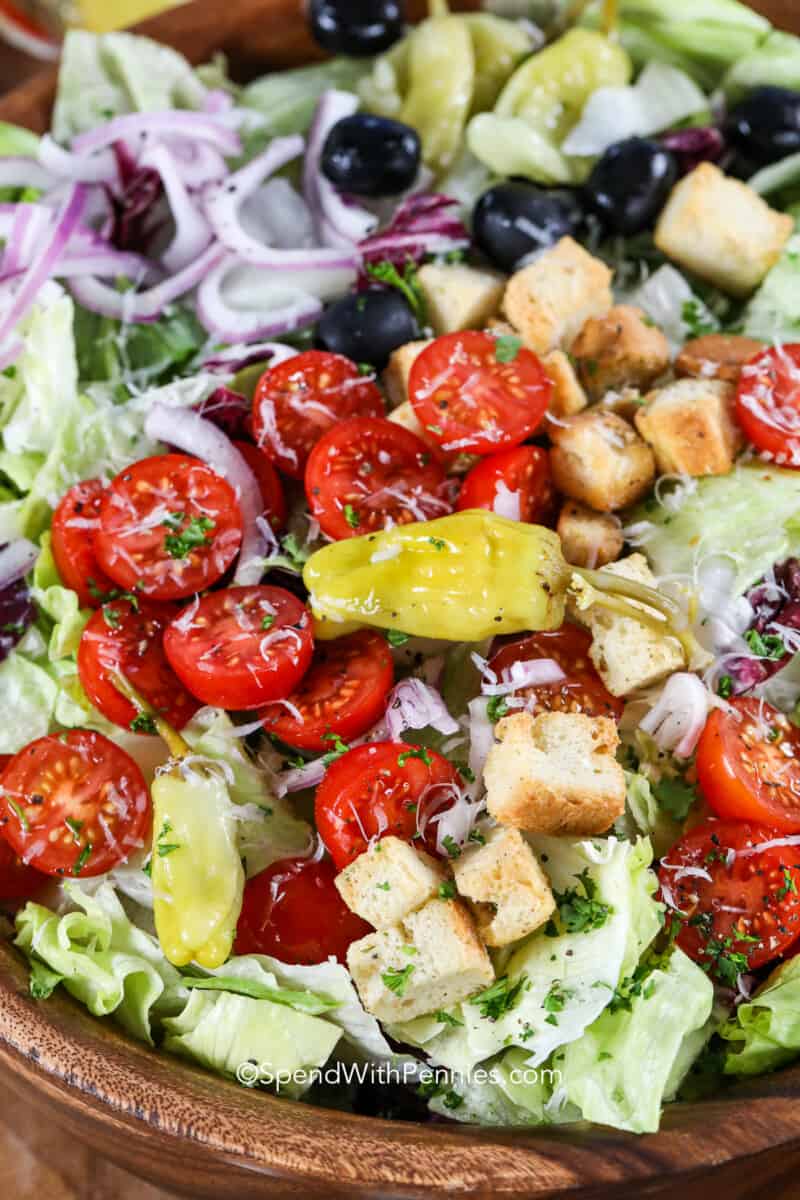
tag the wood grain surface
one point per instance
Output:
(77, 1097)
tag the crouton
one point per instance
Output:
(568, 395)
(619, 350)
(432, 960)
(555, 773)
(691, 427)
(459, 297)
(628, 654)
(500, 328)
(625, 404)
(722, 230)
(600, 459)
(717, 356)
(388, 881)
(589, 539)
(395, 377)
(549, 302)
(507, 890)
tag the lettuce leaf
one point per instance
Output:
(285, 100)
(765, 1033)
(773, 314)
(102, 959)
(30, 692)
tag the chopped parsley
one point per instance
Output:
(447, 890)
(697, 324)
(75, 828)
(452, 1100)
(407, 284)
(384, 887)
(19, 813)
(477, 837)
(787, 886)
(163, 847)
(82, 859)
(451, 846)
(725, 962)
(268, 621)
(767, 645)
(339, 748)
(446, 1018)
(497, 708)
(507, 348)
(111, 616)
(395, 637)
(419, 752)
(675, 797)
(143, 723)
(396, 979)
(500, 998)
(438, 543)
(579, 909)
(351, 516)
(181, 542)
(725, 686)
(555, 1001)
(114, 594)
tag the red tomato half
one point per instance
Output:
(738, 909)
(768, 403)
(169, 527)
(383, 788)
(302, 398)
(294, 912)
(748, 765)
(344, 693)
(17, 881)
(516, 480)
(268, 481)
(581, 691)
(470, 400)
(74, 804)
(366, 473)
(241, 647)
(75, 521)
(121, 638)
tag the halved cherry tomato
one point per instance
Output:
(471, 397)
(581, 691)
(75, 521)
(738, 903)
(366, 473)
(302, 398)
(748, 764)
(383, 788)
(293, 912)
(768, 403)
(129, 639)
(169, 527)
(73, 804)
(268, 481)
(344, 693)
(17, 881)
(241, 647)
(514, 481)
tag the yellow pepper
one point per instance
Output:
(463, 577)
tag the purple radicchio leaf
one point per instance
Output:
(694, 146)
(17, 614)
(776, 609)
(229, 411)
(137, 215)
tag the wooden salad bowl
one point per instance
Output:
(191, 1131)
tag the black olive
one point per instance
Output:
(630, 184)
(766, 126)
(367, 326)
(516, 218)
(358, 27)
(371, 156)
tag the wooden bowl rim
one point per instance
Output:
(125, 1097)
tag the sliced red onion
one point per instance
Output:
(217, 101)
(16, 559)
(10, 351)
(147, 305)
(195, 435)
(223, 209)
(507, 503)
(228, 410)
(45, 261)
(694, 146)
(140, 128)
(17, 614)
(535, 672)
(236, 358)
(270, 313)
(423, 224)
(300, 778)
(77, 168)
(678, 717)
(339, 222)
(199, 163)
(25, 173)
(192, 231)
(412, 704)
(481, 738)
(106, 263)
(29, 225)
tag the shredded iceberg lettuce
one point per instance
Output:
(765, 1033)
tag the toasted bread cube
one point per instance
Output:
(500, 328)
(555, 773)
(507, 890)
(589, 539)
(619, 350)
(568, 395)
(395, 377)
(600, 459)
(629, 655)
(388, 881)
(625, 404)
(722, 230)
(434, 959)
(717, 356)
(460, 297)
(691, 427)
(550, 301)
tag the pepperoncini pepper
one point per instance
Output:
(197, 873)
(465, 577)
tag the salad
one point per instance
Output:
(400, 567)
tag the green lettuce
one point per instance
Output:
(30, 692)
(102, 959)
(773, 314)
(16, 141)
(285, 100)
(133, 358)
(765, 1033)
(775, 61)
